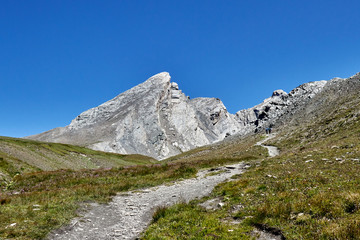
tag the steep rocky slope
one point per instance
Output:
(279, 106)
(156, 119)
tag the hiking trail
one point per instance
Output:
(130, 213)
(272, 150)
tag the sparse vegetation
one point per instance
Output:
(38, 202)
(24, 156)
(232, 150)
(310, 191)
(189, 221)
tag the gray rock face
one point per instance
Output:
(278, 107)
(156, 119)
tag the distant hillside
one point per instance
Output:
(20, 155)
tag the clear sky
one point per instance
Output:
(60, 58)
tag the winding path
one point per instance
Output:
(130, 213)
(273, 151)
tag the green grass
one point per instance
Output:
(310, 191)
(24, 156)
(238, 148)
(306, 200)
(41, 201)
(188, 221)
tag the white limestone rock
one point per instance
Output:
(154, 118)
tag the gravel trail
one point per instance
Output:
(129, 214)
(273, 151)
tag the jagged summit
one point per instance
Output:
(160, 78)
(277, 107)
(157, 119)
(105, 110)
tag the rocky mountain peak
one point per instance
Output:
(154, 118)
(157, 119)
(160, 78)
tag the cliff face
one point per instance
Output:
(156, 119)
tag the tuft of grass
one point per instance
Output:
(189, 221)
(160, 212)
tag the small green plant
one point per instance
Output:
(160, 212)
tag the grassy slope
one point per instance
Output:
(310, 191)
(32, 204)
(231, 149)
(21, 156)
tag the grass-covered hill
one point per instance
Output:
(236, 148)
(310, 191)
(24, 156)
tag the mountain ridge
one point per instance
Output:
(155, 118)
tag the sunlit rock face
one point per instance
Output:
(154, 118)
(157, 119)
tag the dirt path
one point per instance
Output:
(273, 151)
(130, 213)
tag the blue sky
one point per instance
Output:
(60, 58)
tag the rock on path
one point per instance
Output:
(129, 214)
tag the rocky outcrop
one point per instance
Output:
(157, 119)
(277, 108)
